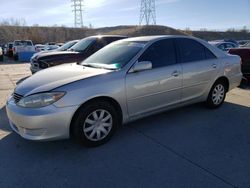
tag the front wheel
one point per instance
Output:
(217, 95)
(95, 123)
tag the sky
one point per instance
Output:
(180, 14)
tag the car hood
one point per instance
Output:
(54, 77)
(55, 53)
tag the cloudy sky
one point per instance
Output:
(194, 14)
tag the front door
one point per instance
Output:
(156, 88)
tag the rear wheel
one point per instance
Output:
(217, 95)
(95, 123)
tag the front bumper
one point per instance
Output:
(43, 124)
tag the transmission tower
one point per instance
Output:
(147, 12)
(78, 9)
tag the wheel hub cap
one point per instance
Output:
(97, 125)
(218, 94)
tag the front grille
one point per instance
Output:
(17, 97)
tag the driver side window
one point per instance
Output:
(161, 53)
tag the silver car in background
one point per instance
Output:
(124, 81)
(224, 46)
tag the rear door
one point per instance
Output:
(156, 88)
(199, 67)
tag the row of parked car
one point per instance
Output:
(13, 49)
(106, 81)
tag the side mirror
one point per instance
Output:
(141, 66)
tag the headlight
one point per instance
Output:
(40, 100)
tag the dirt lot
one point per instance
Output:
(188, 147)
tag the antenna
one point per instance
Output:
(78, 9)
(147, 12)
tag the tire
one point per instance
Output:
(217, 95)
(88, 127)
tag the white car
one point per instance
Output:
(22, 46)
(39, 47)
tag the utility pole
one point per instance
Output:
(147, 12)
(78, 9)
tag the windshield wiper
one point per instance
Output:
(89, 65)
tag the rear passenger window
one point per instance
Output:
(161, 53)
(209, 54)
(191, 50)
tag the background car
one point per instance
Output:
(247, 45)
(39, 47)
(244, 53)
(243, 42)
(8, 49)
(50, 47)
(1, 54)
(60, 44)
(224, 46)
(77, 53)
(22, 46)
(232, 41)
(124, 81)
(67, 45)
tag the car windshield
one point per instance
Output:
(82, 45)
(114, 56)
(67, 45)
(23, 43)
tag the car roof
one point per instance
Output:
(73, 41)
(157, 37)
(108, 36)
(151, 39)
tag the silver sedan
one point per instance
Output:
(124, 81)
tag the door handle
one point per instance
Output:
(175, 73)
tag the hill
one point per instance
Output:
(62, 34)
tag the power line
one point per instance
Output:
(148, 12)
(78, 10)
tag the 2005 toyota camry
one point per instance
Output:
(124, 81)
